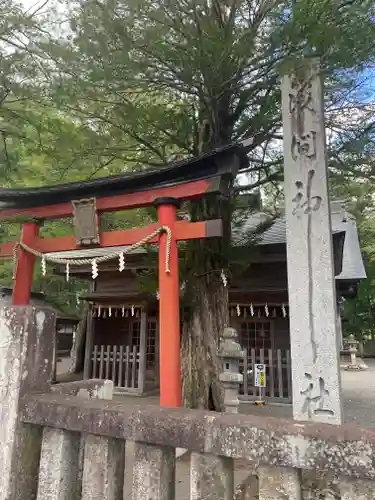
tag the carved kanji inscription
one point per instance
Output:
(303, 145)
(300, 103)
(316, 395)
(300, 95)
(304, 202)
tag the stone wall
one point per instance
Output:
(215, 441)
(67, 442)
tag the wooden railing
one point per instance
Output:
(279, 451)
(121, 364)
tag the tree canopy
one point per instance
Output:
(179, 78)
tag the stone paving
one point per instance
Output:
(359, 396)
(358, 392)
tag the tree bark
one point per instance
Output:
(200, 340)
(206, 297)
(207, 314)
(77, 353)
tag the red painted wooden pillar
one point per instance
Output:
(25, 266)
(169, 309)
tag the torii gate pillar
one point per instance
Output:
(169, 309)
(25, 267)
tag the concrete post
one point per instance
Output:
(61, 461)
(153, 472)
(316, 384)
(230, 353)
(104, 468)
(311, 282)
(59, 466)
(276, 483)
(211, 477)
(26, 365)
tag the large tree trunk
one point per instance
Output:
(206, 297)
(206, 301)
(200, 340)
(77, 353)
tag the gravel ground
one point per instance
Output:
(358, 395)
(358, 389)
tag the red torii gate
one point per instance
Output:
(164, 188)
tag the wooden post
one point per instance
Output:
(88, 345)
(157, 351)
(25, 266)
(169, 309)
(142, 352)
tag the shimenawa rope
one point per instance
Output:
(97, 260)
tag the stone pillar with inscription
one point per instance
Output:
(311, 281)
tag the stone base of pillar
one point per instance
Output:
(352, 368)
(359, 365)
(356, 368)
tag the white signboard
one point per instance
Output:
(260, 375)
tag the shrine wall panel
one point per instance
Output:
(270, 276)
(116, 331)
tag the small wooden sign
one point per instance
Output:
(86, 225)
(260, 375)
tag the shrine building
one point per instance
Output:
(123, 320)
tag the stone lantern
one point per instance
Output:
(230, 353)
(355, 363)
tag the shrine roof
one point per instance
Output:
(193, 169)
(352, 261)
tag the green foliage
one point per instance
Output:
(359, 312)
(172, 79)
